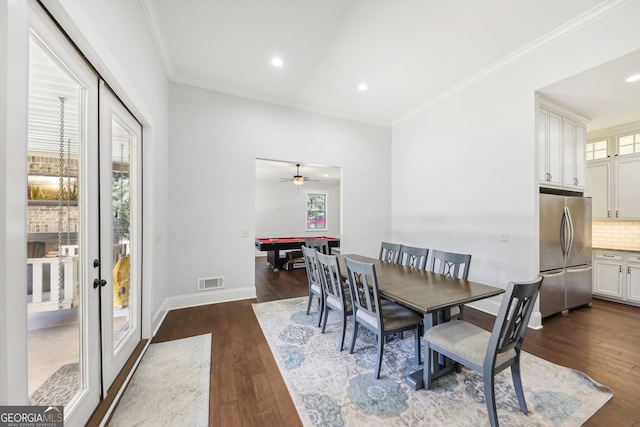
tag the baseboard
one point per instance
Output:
(200, 298)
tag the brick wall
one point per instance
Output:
(44, 219)
(616, 235)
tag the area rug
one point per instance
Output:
(170, 386)
(59, 388)
(331, 388)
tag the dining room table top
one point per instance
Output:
(423, 291)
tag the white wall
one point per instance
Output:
(115, 38)
(281, 209)
(464, 169)
(216, 139)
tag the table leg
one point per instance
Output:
(415, 380)
(418, 379)
(273, 259)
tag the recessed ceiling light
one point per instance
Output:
(634, 78)
(276, 61)
(362, 87)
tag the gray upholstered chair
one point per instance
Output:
(389, 252)
(454, 265)
(315, 286)
(321, 245)
(487, 353)
(381, 319)
(411, 256)
(337, 297)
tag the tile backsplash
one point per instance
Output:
(623, 235)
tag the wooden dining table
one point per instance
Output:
(427, 293)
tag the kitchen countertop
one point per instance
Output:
(615, 250)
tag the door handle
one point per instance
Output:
(99, 282)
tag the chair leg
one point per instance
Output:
(343, 332)
(380, 351)
(324, 315)
(355, 333)
(309, 303)
(320, 309)
(517, 384)
(490, 398)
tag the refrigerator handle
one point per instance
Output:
(570, 222)
(563, 233)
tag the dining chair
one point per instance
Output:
(315, 287)
(336, 296)
(381, 319)
(389, 252)
(454, 265)
(414, 257)
(487, 352)
(321, 246)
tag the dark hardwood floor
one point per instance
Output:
(247, 388)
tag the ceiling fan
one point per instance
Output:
(297, 178)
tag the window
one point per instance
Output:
(316, 210)
(629, 144)
(597, 150)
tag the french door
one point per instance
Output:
(120, 234)
(84, 227)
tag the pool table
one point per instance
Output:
(273, 246)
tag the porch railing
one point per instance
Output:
(43, 300)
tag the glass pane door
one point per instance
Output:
(120, 145)
(62, 226)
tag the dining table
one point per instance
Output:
(430, 294)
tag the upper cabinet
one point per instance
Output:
(561, 151)
(613, 173)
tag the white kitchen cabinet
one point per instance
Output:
(599, 188)
(550, 148)
(616, 275)
(561, 151)
(613, 173)
(574, 155)
(613, 187)
(633, 277)
(627, 193)
(607, 274)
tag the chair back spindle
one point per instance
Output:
(414, 257)
(450, 264)
(389, 252)
(321, 245)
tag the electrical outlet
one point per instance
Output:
(504, 237)
(245, 233)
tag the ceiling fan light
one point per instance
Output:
(298, 180)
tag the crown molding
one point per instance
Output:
(153, 19)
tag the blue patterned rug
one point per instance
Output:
(331, 388)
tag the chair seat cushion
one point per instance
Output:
(468, 341)
(316, 289)
(398, 317)
(336, 303)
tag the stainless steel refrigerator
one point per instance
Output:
(565, 253)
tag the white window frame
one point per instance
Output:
(326, 210)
